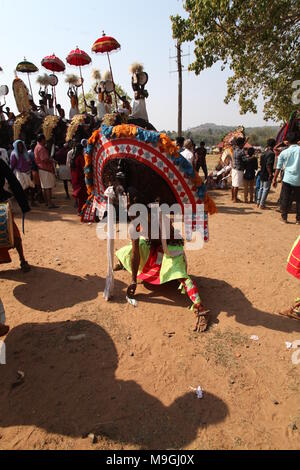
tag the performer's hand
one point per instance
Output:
(131, 290)
(274, 184)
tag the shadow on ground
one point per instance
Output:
(48, 290)
(70, 389)
(220, 297)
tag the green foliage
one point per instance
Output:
(257, 39)
(213, 134)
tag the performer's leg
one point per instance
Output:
(202, 314)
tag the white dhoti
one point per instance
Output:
(140, 110)
(48, 180)
(237, 178)
(24, 180)
(64, 173)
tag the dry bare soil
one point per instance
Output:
(128, 381)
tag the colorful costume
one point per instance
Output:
(151, 163)
(294, 260)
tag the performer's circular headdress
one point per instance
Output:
(150, 162)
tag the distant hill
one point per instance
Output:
(213, 134)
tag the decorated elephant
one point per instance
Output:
(81, 127)
(55, 131)
(27, 126)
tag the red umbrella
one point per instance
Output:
(79, 59)
(106, 45)
(53, 63)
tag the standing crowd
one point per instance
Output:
(37, 170)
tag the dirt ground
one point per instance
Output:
(129, 380)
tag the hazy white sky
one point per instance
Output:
(35, 29)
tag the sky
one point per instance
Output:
(35, 29)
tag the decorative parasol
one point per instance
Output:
(54, 64)
(27, 67)
(106, 45)
(79, 59)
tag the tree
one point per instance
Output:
(92, 96)
(258, 39)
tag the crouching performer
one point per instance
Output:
(158, 260)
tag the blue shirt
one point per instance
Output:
(290, 159)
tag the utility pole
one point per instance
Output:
(179, 71)
(179, 63)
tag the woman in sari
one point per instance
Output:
(78, 177)
(21, 165)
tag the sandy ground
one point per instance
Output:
(129, 380)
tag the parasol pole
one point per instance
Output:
(55, 102)
(30, 85)
(112, 77)
(82, 88)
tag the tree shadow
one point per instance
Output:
(70, 389)
(47, 290)
(219, 296)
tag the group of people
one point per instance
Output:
(31, 175)
(255, 175)
(37, 170)
(196, 156)
(276, 160)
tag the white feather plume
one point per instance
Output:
(136, 67)
(96, 75)
(106, 76)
